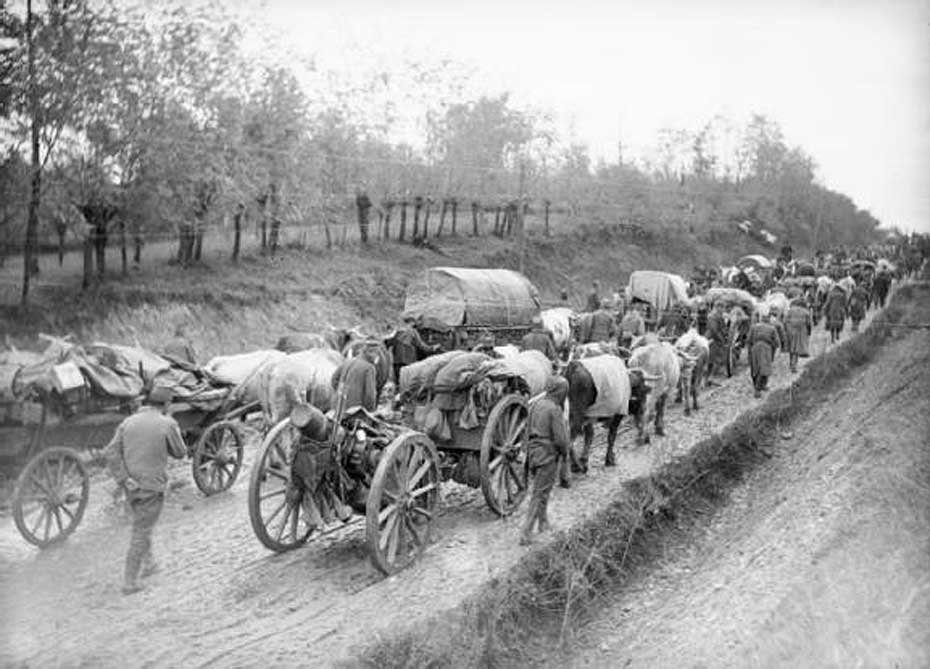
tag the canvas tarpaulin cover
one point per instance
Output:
(660, 289)
(531, 366)
(754, 261)
(461, 296)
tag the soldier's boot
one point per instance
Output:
(565, 477)
(609, 460)
(149, 567)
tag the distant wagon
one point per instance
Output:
(662, 291)
(453, 306)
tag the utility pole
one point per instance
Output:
(32, 220)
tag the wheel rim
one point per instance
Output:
(217, 458)
(401, 506)
(274, 513)
(503, 456)
(51, 496)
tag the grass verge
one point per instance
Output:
(553, 588)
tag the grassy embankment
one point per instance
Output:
(551, 591)
(230, 308)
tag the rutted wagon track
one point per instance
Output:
(223, 599)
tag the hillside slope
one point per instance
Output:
(229, 308)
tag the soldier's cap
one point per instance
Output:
(160, 395)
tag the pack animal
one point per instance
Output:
(602, 389)
(659, 364)
(693, 353)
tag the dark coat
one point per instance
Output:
(356, 378)
(539, 340)
(407, 345)
(763, 341)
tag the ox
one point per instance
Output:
(559, 322)
(593, 349)
(602, 389)
(244, 371)
(333, 338)
(693, 353)
(298, 378)
(659, 364)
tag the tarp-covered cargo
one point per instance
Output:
(660, 289)
(756, 262)
(457, 296)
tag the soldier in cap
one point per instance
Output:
(539, 339)
(137, 458)
(548, 439)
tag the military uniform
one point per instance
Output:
(540, 340)
(406, 346)
(357, 379)
(548, 440)
(137, 457)
(763, 341)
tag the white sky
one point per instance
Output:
(849, 80)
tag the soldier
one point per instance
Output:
(539, 339)
(137, 458)
(548, 440)
(632, 325)
(357, 379)
(717, 334)
(407, 345)
(594, 299)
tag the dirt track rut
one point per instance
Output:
(223, 600)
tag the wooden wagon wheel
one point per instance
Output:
(402, 502)
(217, 457)
(51, 496)
(503, 455)
(275, 515)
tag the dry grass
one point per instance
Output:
(231, 307)
(553, 589)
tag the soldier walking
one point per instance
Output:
(137, 458)
(548, 440)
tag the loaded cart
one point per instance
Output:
(463, 417)
(61, 406)
(454, 306)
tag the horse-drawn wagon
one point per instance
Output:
(454, 306)
(740, 306)
(462, 417)
(662, 291)
(61, 406)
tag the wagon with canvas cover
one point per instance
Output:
(317, 471)
(452, 306)
(60, 406)
(739, 306)
(662, 291)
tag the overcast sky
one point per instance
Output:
(847, 80)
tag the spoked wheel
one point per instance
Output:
(503, 455)
(51, 496)
(402, 502)
(275, 514)
(217, 457)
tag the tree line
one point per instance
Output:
(120, 122)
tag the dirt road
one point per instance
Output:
(822, 558)
(223, 600)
